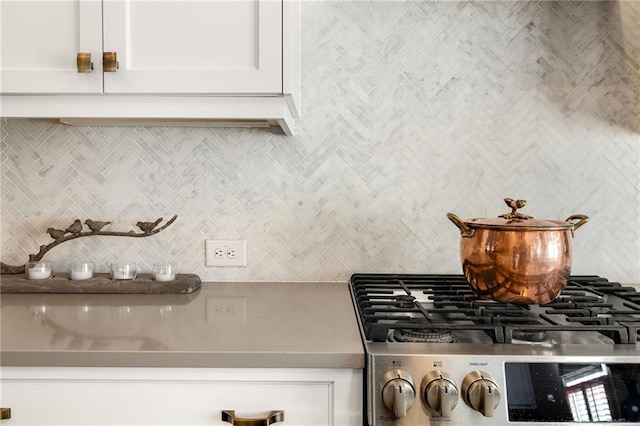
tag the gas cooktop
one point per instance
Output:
(443, 308)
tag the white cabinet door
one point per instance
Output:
(151, 396)
(194, 46)
(40, 43)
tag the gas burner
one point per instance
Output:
(404, 301)
(533, 336)
(422, 336)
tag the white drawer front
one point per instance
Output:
(173, 396)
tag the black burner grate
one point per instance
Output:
(387, 302)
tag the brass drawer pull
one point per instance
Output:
(84, 62)
(274, 416)
(110, 62)
(5, 413)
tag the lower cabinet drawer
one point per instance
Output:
(106, 396)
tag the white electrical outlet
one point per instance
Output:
(225, 252)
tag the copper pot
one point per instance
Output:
(515, 258)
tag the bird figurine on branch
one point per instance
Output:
(95, 225)
(147, 227)
(75, 228)
(56, 234)
(75, 231)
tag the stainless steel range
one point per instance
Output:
(438, 354)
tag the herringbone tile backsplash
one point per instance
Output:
(411, 109)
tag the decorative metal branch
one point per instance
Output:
(75, 231)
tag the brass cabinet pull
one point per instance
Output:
(274, 416)
(84, 62)
(5, 413)
(110, 62)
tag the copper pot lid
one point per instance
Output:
(516, 221)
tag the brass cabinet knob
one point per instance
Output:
(110, 62)
(274, 416)
(5, 413)
(84, 62)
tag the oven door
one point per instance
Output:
(563, 392)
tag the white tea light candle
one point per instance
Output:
(124, 270)
(164, 271)
(81, 275)
(81, 271)
(38, 270)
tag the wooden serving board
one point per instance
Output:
(100, 283)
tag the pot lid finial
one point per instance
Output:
(515, 205)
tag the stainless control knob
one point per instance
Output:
(439, 392)
(398, 392)
(481, 392)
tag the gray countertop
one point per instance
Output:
(230, 325)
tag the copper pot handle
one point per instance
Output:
(273, 417)
(581, 220)
(465, 230)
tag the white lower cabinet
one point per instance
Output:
(179, 396)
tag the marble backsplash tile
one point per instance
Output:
(411, 109)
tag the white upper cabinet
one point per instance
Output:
(236, 60)
(40, 41)
(194, 46)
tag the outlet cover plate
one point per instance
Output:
(225, 252)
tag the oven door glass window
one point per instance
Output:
(584, 393)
